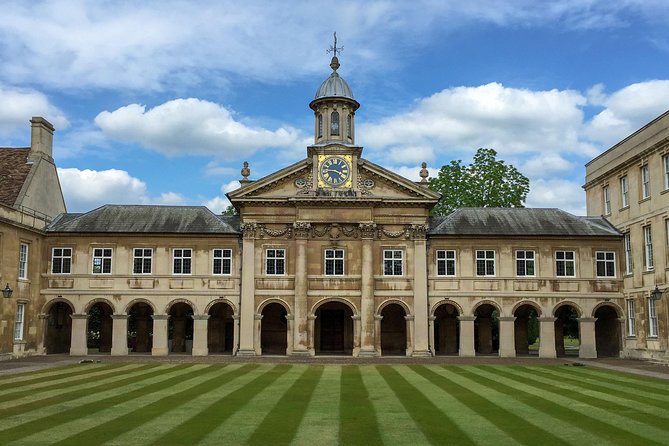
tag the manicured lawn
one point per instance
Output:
(274, 404)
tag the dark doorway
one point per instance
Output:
(180, 328)
(526, 330)
(334, 329)
(140, 328)
(486, 330)
(99, 330)
(567, 339)
(607, 332)
(274, 330)
(58, 335)
(393, 331)
(220, 329)
(446, 330)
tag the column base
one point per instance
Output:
(78, 352)
(119, 352)
(159, 351)
(300, 353)
(467, 354)
(200, 352)
(368, 354)
(421, 354)
(511, 354)
(246, 352)
(587, 353)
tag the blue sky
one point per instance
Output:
(161, 102)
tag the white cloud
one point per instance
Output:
(19, 105)
(559, 193)
(546, 164)
(217, 204)
(191, 126)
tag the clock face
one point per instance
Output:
(335, 171)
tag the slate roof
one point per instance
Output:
(519, 222)
(146, 219)
(14, 169)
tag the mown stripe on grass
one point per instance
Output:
(61, 384)
(202, 423)
(65, 373)
(43, 423)
(111, 429)
(357, 419)
(436, 425)
(643, 383)
(581, 415)
(505, 420)
(280, 425)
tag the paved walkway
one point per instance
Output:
(637, 367)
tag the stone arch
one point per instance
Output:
(58, 333)
(492, 303)
(615, 307)
(274, 327)
(140, 325)
(99, 325)
(333, 326)
(220, 326)
(273, 300)
(567, 330)
(140, 300)
(181, 300)
(531, 303)
(99, 300)
(180, 327)
(608, 337)
(447, 302)
(393, 328)
(486, 327)
(576, 307)
(399, 302)
(223, 300)
(526, 326)
(47, 305)
(446, 327)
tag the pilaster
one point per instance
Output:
(367, 293)
(420, 305)
(467, 336)
(159, 335)
(507, 344)
(119, 334)
(586, 327)
(300, 343)
(200, 347)
(547, 337)
(247, 310)
(79, 344)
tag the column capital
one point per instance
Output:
(302, 229)
(547, 319)
(467, 318)
(432, 318)
(257, 316)
(367, 230)
(506, 318)
(355, 317)
(378, 317)
(290, 317)
(200, 317)
(120, 316)
(587, 319)
(311, 317)
(160, 317)
(78, 316)
(249, 230)
(410, 317)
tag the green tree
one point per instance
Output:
(486, 182)
(230, 210)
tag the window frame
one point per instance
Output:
(627, 247)
(19, 321)
(624, 192)
(143, 257)
(104, 255)
(335, 124)
(320, 125)
(526, 261)
(645, 182)
(649, 262)
(606, 195)
(665, 164)
(446, 261)
(276, 260)
(631, 318)
(607, 262)
(222, 259)
(566, 261)
(393, 261)
(23, 260)
(486, 262)
(334, 261)
(182, 262)
(61, 257)
(652, 318)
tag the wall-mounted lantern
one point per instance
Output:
(7, 292)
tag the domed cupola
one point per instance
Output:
(334, 107)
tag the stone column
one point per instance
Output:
(300, 342)
(43, 321)
(290, 334)
(311, 327)
(356, 335)
(257, 329)
(467, 336)
(200, 347)
(235, 335)
(507, 344)
(411, 324)
(367, 345)
(586, 326)
(79, 343)
(547, 337)
(377, 331)
(159, 335)
(247, 305)
(119, 334)
(430, 321)
(420, 305)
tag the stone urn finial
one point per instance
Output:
(424, 173)
(245, 173)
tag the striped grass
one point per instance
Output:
(258, 404)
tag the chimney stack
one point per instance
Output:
(41, 137)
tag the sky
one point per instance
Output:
(160, 102)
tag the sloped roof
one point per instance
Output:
(520, 222)
(147, 219)
(14, 169)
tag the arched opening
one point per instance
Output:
(393, 330)
(140, 328)
(220, 329)
(274, 330)
(59, 328)
(446, 330)
(180, 328)
(334, 329)
(526, 330)
(334, 124)
(99, 330)
(349, 126)
(486, 330)
(607, 332)
(567, 338)
(320, 125)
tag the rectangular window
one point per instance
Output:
(142, 258)
(334, 262)
(23, 261)
(485, 263)
(525, 263)
(624, 192)
(565, 264)
(631, 321)
(652, 319)
(605, 263)
(628, 253)
(222, 261)
(393, 262)
(645, 182)
(648, 248)
(18, 322)
(275, 262)
(61, 260)
(182, 259)
(445, 262)
(607, 200)
(102, 260)
(665, 163)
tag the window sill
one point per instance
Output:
(643, 200)
(648, 271)
(624, 208)
(666, 191)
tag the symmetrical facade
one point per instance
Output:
(331, 255)
(629, 185)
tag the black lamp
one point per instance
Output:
(656, 293)
(7, 292)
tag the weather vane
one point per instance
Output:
(334, 49)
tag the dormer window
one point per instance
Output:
(334, 124)
(320, 125)
(348, 126)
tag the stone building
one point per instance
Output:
(333, 255)
(629, 185)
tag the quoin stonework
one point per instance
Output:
(333, 255)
